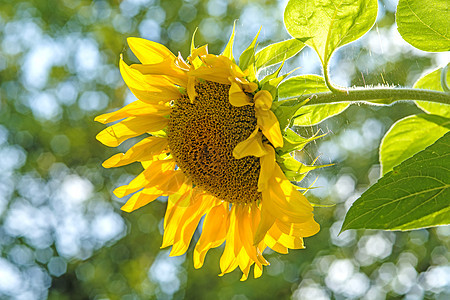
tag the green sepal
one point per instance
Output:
(295, 170)
(292, 141)
(273, 75)
(247, 59)
(286, 111)
(228, 51)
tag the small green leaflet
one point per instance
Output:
(432, 81)
(247, 57)
(414, 195)
(278, 52)
(409, 136)
(309, 115)
(425, 24)
(330, 24)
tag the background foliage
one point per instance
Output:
(62, 235)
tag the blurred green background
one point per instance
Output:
(62, 234)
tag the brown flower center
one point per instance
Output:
(202, 136)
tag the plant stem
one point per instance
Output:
(376, 96)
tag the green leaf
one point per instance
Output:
(301, 85)
(314, 114)
(425, 24)
(432, 81)
(329, 23)
(278, 52)
(409, 136)
(414, 195)
(309, 84)
(247, 57)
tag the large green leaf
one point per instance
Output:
(278, 52)
(432, 81)
(414, 195)
(329, 23)
(314, 114)
(409, 136)
(425, 24)
(309, 84)
(301, 85)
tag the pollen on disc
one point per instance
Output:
(202, 136)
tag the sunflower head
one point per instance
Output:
(211, 142)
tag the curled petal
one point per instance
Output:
(251, 146)
(238, 97)
(263, 100)
(270, 126)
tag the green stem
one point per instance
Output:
(328, 82)
(376, 95)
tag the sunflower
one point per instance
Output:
(214, 146)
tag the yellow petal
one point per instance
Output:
(267, 165)
(167, 68)
(214, 232)
(215, 68)
(306, 229)
(183, 195)
(191, 88)
(158, 173)
(114, 135)
(250, 87)
(199, 51)
(275, 245)
(282, 200)
(142, 198)
(189, 222)
(251, 146)
(174, 184)
(246, 231)
(136, 108)
(228, 260)
(142, 151)
(267, 221)
(149, 52)
(147, 88)
(257, 271)
(170, 227)
(263, 100)
(270, 126)
(237, 97)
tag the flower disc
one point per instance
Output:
(202, 136)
